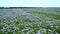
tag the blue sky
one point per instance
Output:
(29, 3)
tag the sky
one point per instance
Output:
(29, 3)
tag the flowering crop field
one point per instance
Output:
(30, 20)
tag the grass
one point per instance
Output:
(53, 16)
(31, 23)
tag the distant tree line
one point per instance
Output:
(13, 7)
(3, 7)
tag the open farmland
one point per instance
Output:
(30, 20)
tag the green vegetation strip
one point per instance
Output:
(53, 16)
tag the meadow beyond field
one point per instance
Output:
(30, 21)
